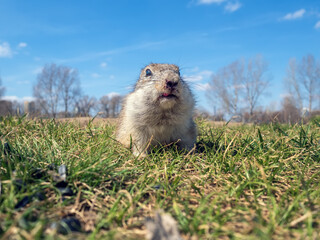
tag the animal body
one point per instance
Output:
(158, 112)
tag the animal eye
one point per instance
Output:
(148, 72)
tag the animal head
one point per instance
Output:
(162, 84)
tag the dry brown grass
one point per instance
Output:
(84, 121)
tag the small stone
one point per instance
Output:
(61, 175)
(162, 227)
(73, 224)
(67, 225)
(66, 191)
(63, 172)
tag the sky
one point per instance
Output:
(109, 42)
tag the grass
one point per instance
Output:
(243, 182)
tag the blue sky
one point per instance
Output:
(110, 41)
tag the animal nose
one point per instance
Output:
(171, 84)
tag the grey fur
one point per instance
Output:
(150, 117)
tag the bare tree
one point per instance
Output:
(47, 90)
(290, 112)
(110, 105)
(309, 76)
(56, 86)
(105, 105)
(115, 104)
(292, 83)
(303, 81)
(17, 108)
(2, 88)
(85, 105)
(6, 108)
(70, 87)
(226, 86)
(255, 82)
(239, 84)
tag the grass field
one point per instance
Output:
(243, 182)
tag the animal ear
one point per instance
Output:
(148, 72)
(176, 68)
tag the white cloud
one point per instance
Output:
(295, 15)
(207, 2)
(5, 50)
(232, 7)
(10, 98)
(206, 73)
(193, 78)
(198, 76)
(95, 75)
(112, 94)
(29, 99)
(202, 86)
(37, 71)
(17, 99)
(22, 45)
(317, 26)
(199, 80)
(103, 64)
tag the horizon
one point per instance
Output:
(110, 42)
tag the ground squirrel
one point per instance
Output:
(158, 111)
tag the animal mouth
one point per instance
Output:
(168, 95)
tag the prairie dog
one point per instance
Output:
(158, 111)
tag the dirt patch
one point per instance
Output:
(83, 121)
(114, 121)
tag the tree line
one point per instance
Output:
(58, 93)
(234, 91)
